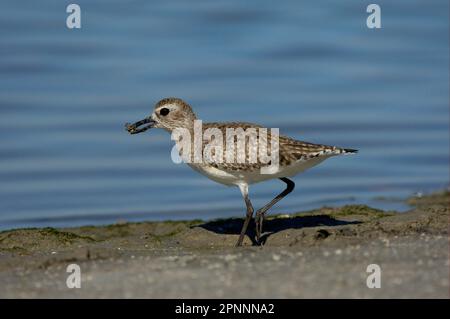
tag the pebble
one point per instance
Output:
(276, 257)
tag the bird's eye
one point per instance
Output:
(164, 111)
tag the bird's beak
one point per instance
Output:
(134, 128)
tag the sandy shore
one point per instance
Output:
(317, 254)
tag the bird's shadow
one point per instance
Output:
(271, 226)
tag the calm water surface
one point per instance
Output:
(313, 70)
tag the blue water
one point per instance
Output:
(312, 68)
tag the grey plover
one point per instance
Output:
(294, 156)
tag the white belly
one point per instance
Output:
(231, 178)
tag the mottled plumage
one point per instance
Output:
(290, 150)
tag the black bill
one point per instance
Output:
(140, 126)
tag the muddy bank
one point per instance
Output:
(319, 253)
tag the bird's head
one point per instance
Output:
(169, 113)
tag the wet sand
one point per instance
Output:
(322, 253)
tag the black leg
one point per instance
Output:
(259, 218)
(249, 214)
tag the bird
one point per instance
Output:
(293, 156)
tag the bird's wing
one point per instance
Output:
(290, 150)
